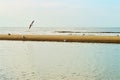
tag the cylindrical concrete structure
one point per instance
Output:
(61, 38)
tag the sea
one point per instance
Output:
(44, 60)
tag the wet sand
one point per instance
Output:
(61, 38)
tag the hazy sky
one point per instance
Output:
(60, 13)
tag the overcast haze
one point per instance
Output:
(60, 13)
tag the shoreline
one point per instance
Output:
(61, 38)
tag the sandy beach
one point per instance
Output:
(61, 38)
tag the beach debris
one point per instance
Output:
(9, 34)
(83, 34)
(31, 24)
(23, 37)
(118, 35)
(64, 40)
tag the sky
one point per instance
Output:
(60, 13)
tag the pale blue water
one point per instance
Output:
(56, 30)
(27, 60)
(80, 29)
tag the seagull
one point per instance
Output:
(31, 24)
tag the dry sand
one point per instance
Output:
(61, 38)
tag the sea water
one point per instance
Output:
(37, 60)
(61, 30)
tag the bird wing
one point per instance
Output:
(31, 24)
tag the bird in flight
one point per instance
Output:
(31, 24)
